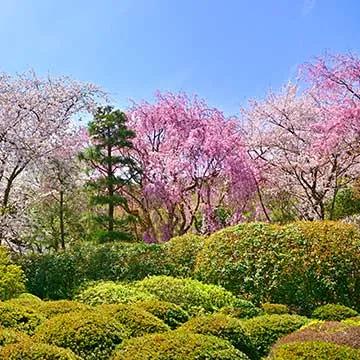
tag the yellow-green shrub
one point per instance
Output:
(224, 327)
(28, 350)
(53, 308)
(109, 292)
(12, 278)
(19, 317)
(314, 350)
(11, 336)
(243, 310)
(333, 312)
(172, 314)
(275, 308)
(89, 334)
(302, 264)
(191, 295)
(177, 345)
(137, 321)
(265, 330)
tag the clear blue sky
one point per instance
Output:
(224, 50)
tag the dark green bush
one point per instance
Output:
(137, 321)
(333, 312)
(12, 279)
(224, 327)
(58, 275)
(11, 336)
(19, 317)
(172, 314)
(265, 330)
(108, 292)
(89, 334)
(301, 264)
(314, 350)
(191, 295)
(28, 350)
(181, 252)
(331, 331)
(275, 308)
(176, 345)
(52, 308)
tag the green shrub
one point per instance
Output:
(28, 350)
(26, 299)
(58, 275)
(89, 334)
(176, 345)
(243, 310)
(12, 279)
(19, 317)
(331, 331)
(11, 336)
(265, 330)
(314, 350)
(181, 252)
(191, 295)
(333, 312)
(138, 322)
(275, 308)
(28, 296)
(301, 264)
(224, 327)
(172, 314)
(112, 293)
(52, 308)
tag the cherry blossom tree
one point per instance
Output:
(35, 116)
(193, 164)
(283, 134)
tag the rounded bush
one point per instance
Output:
(314, 350)
(11, 336)
(191, 295)
(28, 296)
(176, 345)
(26, 299)
(243, 310)
(52, 308)
(137, 321)
(331, 331)
(19, 317)
(352, 321)
(265, 330)
(12, 278)
(224, 327)
(172, 314)
(181, 252)
(333, 312)
(301, 264)
(28, 350)
(89, 334)
(275, 308)
(109, 292)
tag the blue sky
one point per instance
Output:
(227, 51)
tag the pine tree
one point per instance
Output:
(111, 169)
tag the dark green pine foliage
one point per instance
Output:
(112, 169)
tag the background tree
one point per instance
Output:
(111, 169)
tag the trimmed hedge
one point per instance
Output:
(314, 350)
(29, 350)
(89, 334)
(333, 312)
(352, 321)
(224, 327)
(177, 345)
(52, 308)
(191, 295)
(334, 332)
(112, 293)
(172, 314)
(301, 264)
(137, 321)
(275, 308)
(243, 310)
(265, 330)
(11, 336)
(19, 317)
